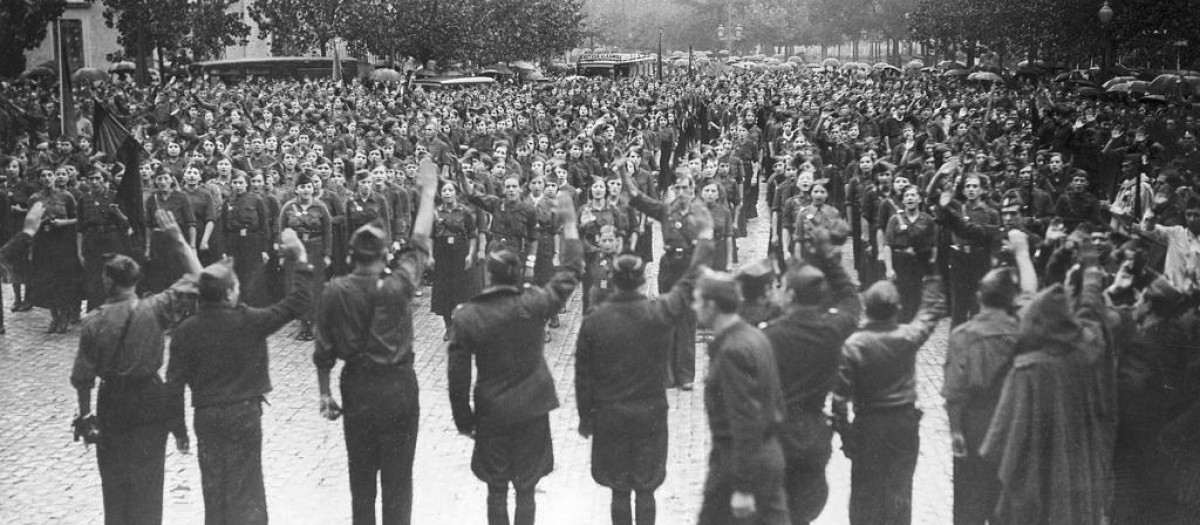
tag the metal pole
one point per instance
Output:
(660, 31)
(691, 71)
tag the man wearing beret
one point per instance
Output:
(502, 329)
(620, 357)
(744, 402)
(365, 319)
(221, 353)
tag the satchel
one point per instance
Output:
(128, 402)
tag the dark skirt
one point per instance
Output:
(520, 453)
(451, 277)
(544, 268)
(316, 257)
(55, 278)
(95, 246)
(248, 265)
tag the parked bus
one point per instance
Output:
(238, 69)
(616, 65)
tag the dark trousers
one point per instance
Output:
(976, 490)
(966, 270)
(681, 358)
(884, 457)
(769, 499)
(229, 447)
(382, 409)
(131, 473)
(806, 449)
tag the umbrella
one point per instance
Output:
(914, 64)
(1088, 92)
(89, 74)
(951, 64)
(454, 73)
(679, 53)
(855, 65)
(771, 60)
(681, 62)
(1164, 84)
(831, 62)
(753, 58)
(888, 68)
(38, 72)
(733, 59)
(424, 73)
(956, 73)
(985, 76)
(522, 64)
(122, 67)
(501, 69)
(703, 61)
(797, 59)
(723, 52)
(387, 75)
(786, 66)
(1154, 99)
(1119, 87)
(1117, 80)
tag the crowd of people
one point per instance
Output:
(1060, 234)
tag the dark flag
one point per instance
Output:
(66, 95)
(114, 140)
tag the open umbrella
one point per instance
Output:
(1153, 99)
(1117, 80)
(960, 72)
(831, 62)
(122, 67)
(985, 76)
(915, 63)
(796, 59)
(887, 69)
(723, 52)
(38, 72)
(501, 69)
(703, 61)
(1088, 91)
(951, 64)
(388, 75)
(1165, 85)
(522, 64)
(89, 74)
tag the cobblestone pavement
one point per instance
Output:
(46, 478)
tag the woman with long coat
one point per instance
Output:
(454, 247)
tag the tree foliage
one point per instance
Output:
(297, 27)
(204, 27)
(23, 26)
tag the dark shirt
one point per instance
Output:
(513, 223)
(920, 235)
(677, 234)
(370, 316)
(313, 222)
(98, 212)
(221, 351)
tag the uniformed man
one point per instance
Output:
(978, 356)
(678, 243)
(102, 229)
(221, 353)
(502, 330)
(620, 356)
(205, 201)
(365, 319)
(744, 403)
(822, 310)
(877, 374)
(122, 344)
(974, 227)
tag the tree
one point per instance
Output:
(24, 24)
(213, 28)
(296, 27)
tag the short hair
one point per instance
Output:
(122, 270)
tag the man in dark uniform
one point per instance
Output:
(744, 403)
(678, 243)
(823, 310)
(514, 221)
(102, 229)
(620, 356)
(974, 227)
(365, 319)
(978, 356)
(878, 374)
(502, 329)
(122, 344)
(221, 353)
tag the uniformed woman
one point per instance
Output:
(54, 264)
(165, 267)
(722, 217)
(818, 213)
(454, 247)
(245, 219)
(596, 213)
(102, 229)
(910, 250)
(313, 223)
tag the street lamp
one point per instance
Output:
(729, 37)
(660, 53)
(1106, 15)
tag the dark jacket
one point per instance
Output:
(744, 403)
(221, 352)
(978, 356)
(878, 368)
(503, 328)
(808, 340)
(621, 352)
